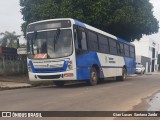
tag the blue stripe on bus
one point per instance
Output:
(124, 41)
(80, 23)
(32, 67)
(79, 67)
(49, 70)
(130, 64)
(90, 59)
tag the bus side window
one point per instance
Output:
(75, 38)
(120, 49)
(92, 41)
(82, 41)
(126, 50)
(132, 52)
(103, 44)
(113, 46)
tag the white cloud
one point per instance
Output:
(156, 13)
(11, 18)
(156, 9)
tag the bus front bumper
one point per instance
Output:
(62, 76)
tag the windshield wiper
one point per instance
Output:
(56, 37)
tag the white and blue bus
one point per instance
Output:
(65, 49)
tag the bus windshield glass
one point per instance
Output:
(54, 44)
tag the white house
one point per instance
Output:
(147, 53)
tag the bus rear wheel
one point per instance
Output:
(93, 77)
(123, 77)
(59, 83)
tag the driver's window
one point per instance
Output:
(81, 41)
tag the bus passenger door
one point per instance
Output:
(81, 52)
(80, 39)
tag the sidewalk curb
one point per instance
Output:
(14, 87)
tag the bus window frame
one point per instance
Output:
(122, 54)
(78, 50)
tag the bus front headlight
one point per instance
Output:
(70, 65)
(29, 68)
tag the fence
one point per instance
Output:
(13, 64)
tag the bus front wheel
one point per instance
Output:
(123, 77)
(59, 83)
(93, 77)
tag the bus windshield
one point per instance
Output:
(55, 43)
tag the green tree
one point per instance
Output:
(9, 39)
(128, 19)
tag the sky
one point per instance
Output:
(11, 18)
(156, 9)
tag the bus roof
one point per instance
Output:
(77, 22)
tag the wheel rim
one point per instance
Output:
(124, 74)
(94, 77)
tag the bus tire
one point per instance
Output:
(123, 77)
(93, 77)
(59, 83)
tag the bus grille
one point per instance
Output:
(49, 76)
